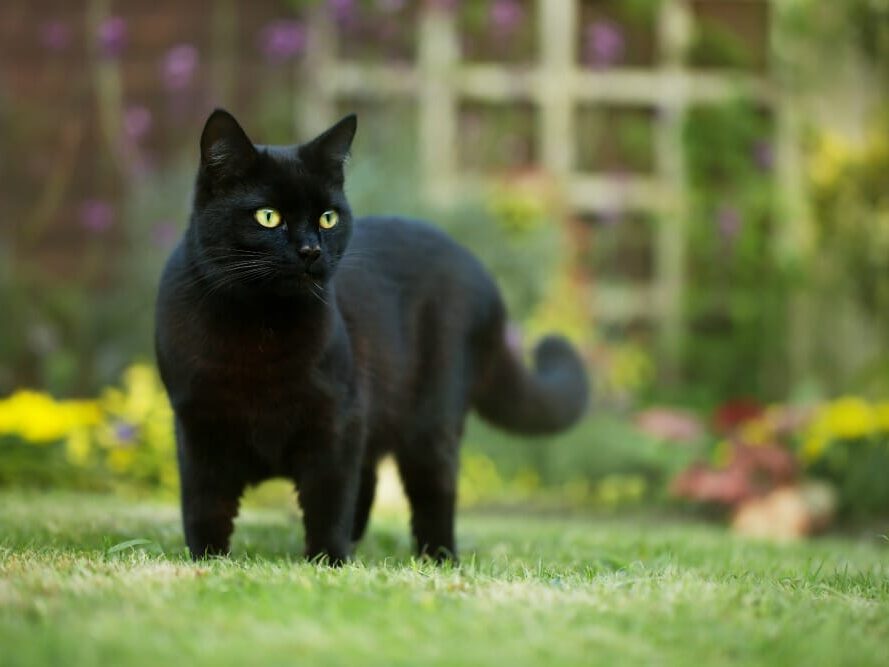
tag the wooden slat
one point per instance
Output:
(615, 303)
(553, 86)
(557, 85)
(319, 108)
(674, 36)
(603, 194)
(439, 54)
(381, 81)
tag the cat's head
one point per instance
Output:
(270, 218)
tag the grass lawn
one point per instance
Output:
(530, 591)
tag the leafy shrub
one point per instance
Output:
(847, 442)
(123, 437)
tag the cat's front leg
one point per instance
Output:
(211, 491)
(328, 490)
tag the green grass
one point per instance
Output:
(530, 591)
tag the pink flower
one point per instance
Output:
(55, 35)
(137, 122)
(343, 10)
(112, 36)
(604, 44)
(96, 215)
(506, 16)
(764, 155)
(164, 234)
(729, 221)
(179, 66)
(670, 424)
(282, 40)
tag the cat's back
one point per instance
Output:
(415, 255)
(406, 285)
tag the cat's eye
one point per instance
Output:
(267, 217)
(328, 219)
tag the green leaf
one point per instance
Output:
(138, 542)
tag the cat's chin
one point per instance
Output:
(301, 284)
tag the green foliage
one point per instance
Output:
(716, 46)
(737, 292)
(508, 227)
(574, 466)
(124, 439)
(847, 442)
(851, 201)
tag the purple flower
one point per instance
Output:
(604, 44)
(164, 234)
(728, 219)
(282, 40)
(136, 122)
(125, 432)
(55, 35)
(112, 36)
(764, 155)
(343, 10)
(179, 66)
(96, 215)
(506, 16)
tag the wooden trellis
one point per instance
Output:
(556, 83)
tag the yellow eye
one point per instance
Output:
(328, 219)
(267, 217)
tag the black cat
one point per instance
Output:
(295, 341)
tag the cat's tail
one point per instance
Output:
(547, 399)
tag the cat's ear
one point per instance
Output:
(330, 149)
(225, 148)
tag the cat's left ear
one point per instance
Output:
(330, 149)
(226, 151)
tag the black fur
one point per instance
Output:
(281, 364)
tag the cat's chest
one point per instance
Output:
(266, 399)
(255, 373)
(263, 373)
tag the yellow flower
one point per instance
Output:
(850, 418)
(722, 454)
(847, 418)
(121, 459)
(757, 431)
(478, 478)
(881, 414)
(814, 447)
(40, 419)
(516, 210)
(140, 394)
(560, 311)
(78, 446)
(830, 159)
(616, 489)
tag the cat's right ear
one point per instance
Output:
(226, 151)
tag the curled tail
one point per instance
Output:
(547, 399)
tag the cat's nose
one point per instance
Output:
(309, 253)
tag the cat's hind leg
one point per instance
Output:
(328, 485)
(428, 469)
(366, 491)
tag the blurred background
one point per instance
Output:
(695, 191)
